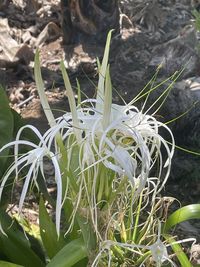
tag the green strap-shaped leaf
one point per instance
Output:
(6, 126)
(15, 246)
(71, 254)
(108, 99)
(183, 214)
(102, 74)
(48, 232)
(72, 102)
(180, 254)
(89, 236)
(41, 90)
(8, 264)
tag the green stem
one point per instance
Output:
(137, 219)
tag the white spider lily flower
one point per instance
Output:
(33, 159)
(125, 164)
(127, 145)
(159, 252)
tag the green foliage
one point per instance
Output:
(50, 240)
(6, 128)
(10, 123)
(70, 255)
(108, 209)
(183, 214)
(17, 247)
(8, 264)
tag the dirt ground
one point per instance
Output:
(151, 33)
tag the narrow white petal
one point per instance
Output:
(25, 187)
(18, 143)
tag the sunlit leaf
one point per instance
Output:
(183, 214)
(41, 90)
(71, 254)
(102, 73)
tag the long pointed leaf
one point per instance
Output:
(71, 254)
(41, 91)
(107, 100)
(72, 102)
(183, 214)
(6, 126)
(15, 245)
(180, 254)
(48, 232)
(87, 232)
(102, 74)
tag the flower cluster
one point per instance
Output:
(102, 154)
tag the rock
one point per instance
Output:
(195, 254)
(178, 53)
(49, 33)
(12, 52)
(4, 4)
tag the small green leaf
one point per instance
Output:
(48, 232)
(71, 254)
(183, 214)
